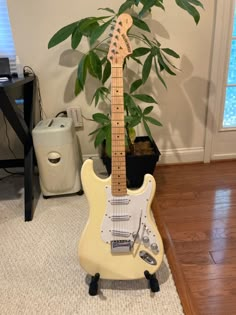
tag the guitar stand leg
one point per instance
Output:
(93, 286)
(153, 282)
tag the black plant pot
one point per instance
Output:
(137, 165)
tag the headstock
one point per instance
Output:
(120, 45)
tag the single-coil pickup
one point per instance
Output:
(119, 201)
(120, 218)
(120, 233)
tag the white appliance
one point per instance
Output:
(57, 153)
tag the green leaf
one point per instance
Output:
(62, 34)
(126, 5)
(76, 38)
(145, 98)
(164, 65)
(197, 3)
(147, 68)
(78, 87)
(140, 24)
(106, 72)
(82, 70)
(107, 9)
(135, 85)
(95, 64)
(89, 29)
(96, 97)
(99, 31)
(130, 105)
(153, 121)
(158, 75)
(147, 110)
(147, 40)
(141, 51)
(159, 4)
(101, 92)
(101, 118)
(187, 6)
(148, 131)
(148, 5)
(100, 137)
(136, 60)
(135, 121)
(171, 52)
(85, 23)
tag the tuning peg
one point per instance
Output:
(120, 23)
(115, 44)
(121, 47)
(113, 51)
(110, 35)
(116, 37)
(111, 57)
(118, 30)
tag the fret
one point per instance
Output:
(118, 116)
(117, 142)
(118, 148)
(118, 131)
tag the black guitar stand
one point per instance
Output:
(153, 282)
(93, 286)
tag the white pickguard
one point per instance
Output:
(125, 216)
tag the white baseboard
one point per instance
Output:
(224, 156)
(182, 155)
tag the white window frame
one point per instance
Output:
(7, 47)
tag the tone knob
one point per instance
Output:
(145, 240)
(154, 247)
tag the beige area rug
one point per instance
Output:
(39, 269)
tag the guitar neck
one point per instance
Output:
(118, 180)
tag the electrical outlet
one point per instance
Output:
(75, 114)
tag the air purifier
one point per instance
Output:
(57, 154)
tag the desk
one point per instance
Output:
(23, 125)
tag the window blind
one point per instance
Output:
(7, 48)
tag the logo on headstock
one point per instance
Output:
(127, 43)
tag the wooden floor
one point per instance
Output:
(197, 204)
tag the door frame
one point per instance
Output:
(218, 73)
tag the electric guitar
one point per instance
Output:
(120, 240)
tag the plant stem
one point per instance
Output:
(99, 49)
(139, 38)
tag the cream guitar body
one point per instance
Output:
(95, 254)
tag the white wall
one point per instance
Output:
(181, 109)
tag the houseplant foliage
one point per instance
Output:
(147, 52)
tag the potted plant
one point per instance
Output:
(148, 53)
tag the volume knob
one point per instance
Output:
(154, 247)
(145, 240)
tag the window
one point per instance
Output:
(229, 119)
(7, 48)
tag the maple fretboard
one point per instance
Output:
(119, 187)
